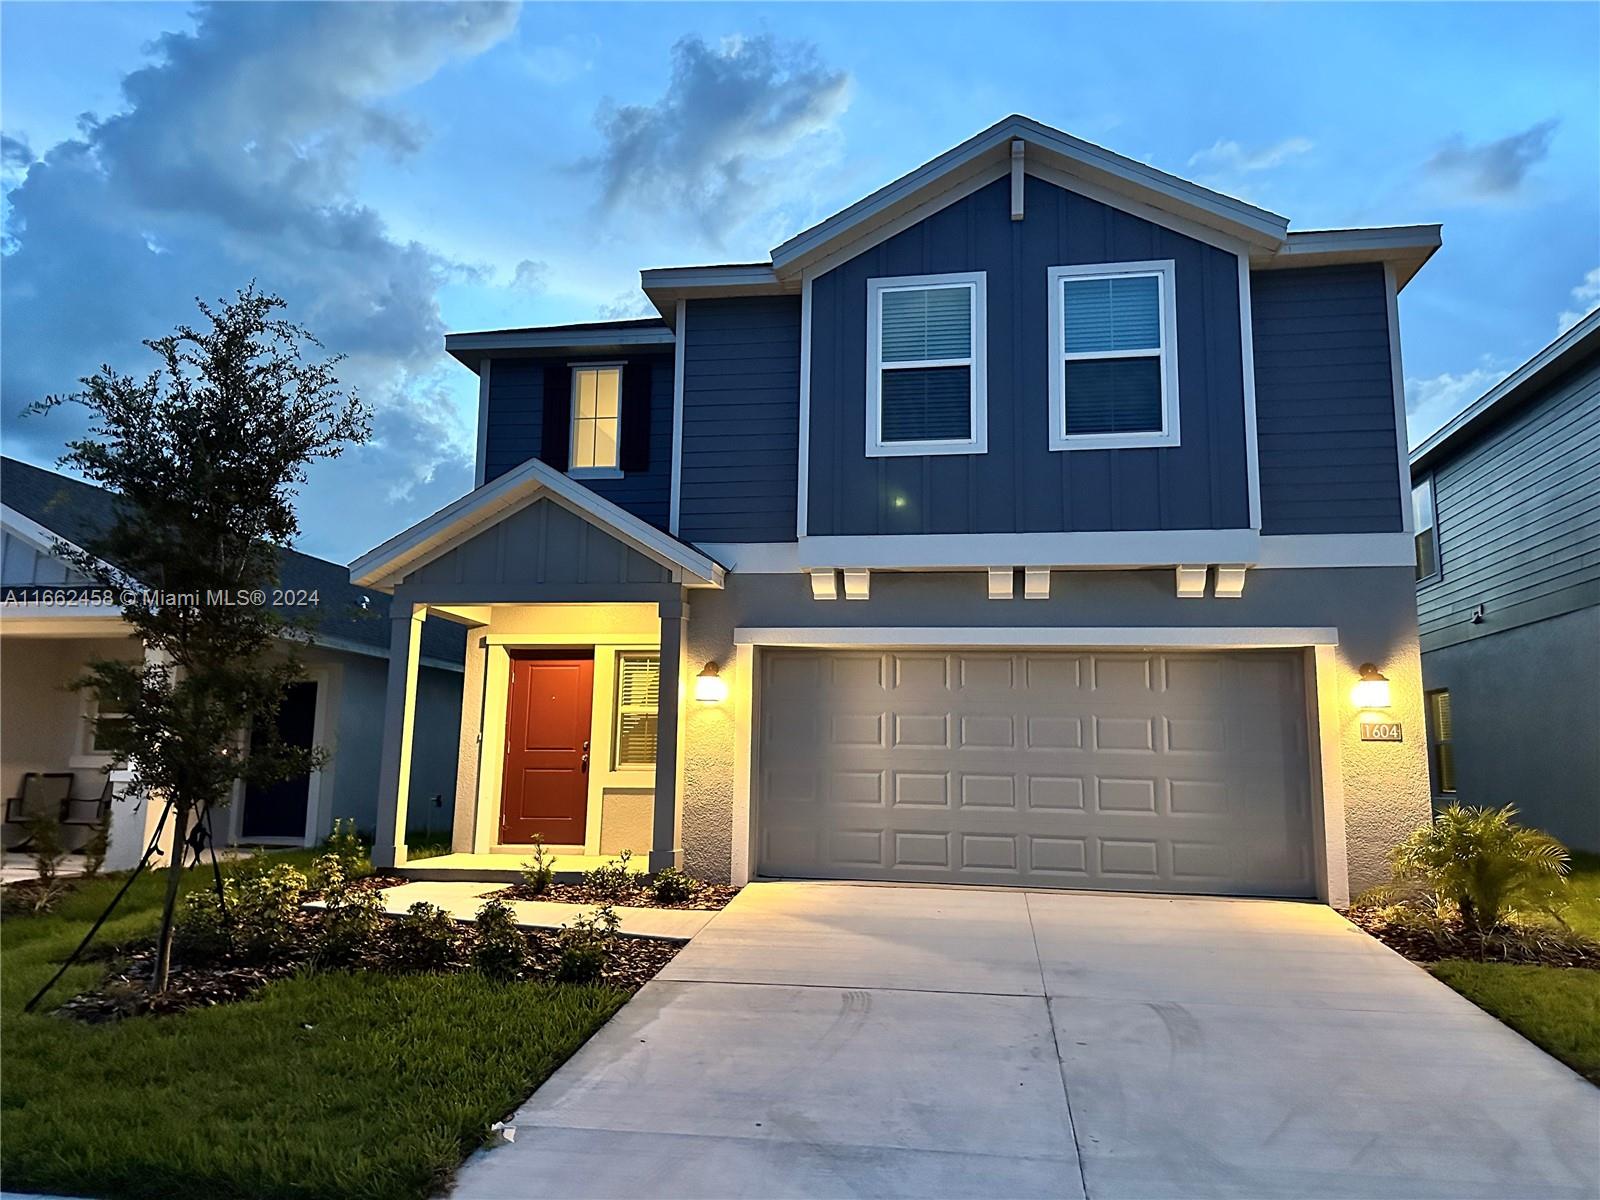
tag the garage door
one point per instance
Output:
(1136, 771)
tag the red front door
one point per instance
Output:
(546, 788)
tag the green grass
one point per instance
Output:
(1557, 1008)
(333, 1084)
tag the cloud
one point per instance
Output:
(1490, 171)
(1431, 402)
(631, 303)
(721, 143)
(1586, 296)
(1229, 157)
(530, 276)
(14, 151)
(237, 156)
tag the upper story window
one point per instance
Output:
(926, 383)
(1113, 356)
(1427, 533)
(596, 418)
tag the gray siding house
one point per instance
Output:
(46, 637)
(1030, 521)
(1507, 502)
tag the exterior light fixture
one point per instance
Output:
(709, 686)
(1372, 690)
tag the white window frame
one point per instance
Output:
(1166, 296)
(611, 472)
(1426, 483)
(977, 362)
(618, 710)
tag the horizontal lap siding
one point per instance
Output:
(516, 415)
(1518, 517)
(741, 420)
(1325, 401)
(1020, 485)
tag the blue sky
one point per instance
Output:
(395, 172)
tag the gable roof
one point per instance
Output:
(1519, 387)
(592, 336)
(76, 512)
(384, 566)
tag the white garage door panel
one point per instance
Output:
(1160, 772)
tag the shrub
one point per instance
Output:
(351, 918)
(612, 881)
(203, 932)
(346, 845)
(425, 938)
(672, 886)
(500, 952)
(94, 850)
(1485, 865)
(44, 847)
(266, 910)
(586, 945)
(540, 870)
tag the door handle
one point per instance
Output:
(584, 765)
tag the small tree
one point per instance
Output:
(203, 456)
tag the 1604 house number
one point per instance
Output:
(1381, 731)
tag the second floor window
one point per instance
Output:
(596, 417)
(925, 370)
(1113, 356)
(1427, 530)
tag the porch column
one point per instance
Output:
(667, 820)
(399, 718)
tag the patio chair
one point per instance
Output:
(42, 795)
(88, 812)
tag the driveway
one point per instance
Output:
(852, 1040)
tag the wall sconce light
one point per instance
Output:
(709, 686)
(1372, 690)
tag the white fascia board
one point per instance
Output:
(557, 339)
(666, 286)
(755, 558)
(1208, 637)
(381, 567)
(1406, 247)
(1139, 181)
(973, 551)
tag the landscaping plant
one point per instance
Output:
(44, 848)
(612, 882)
(1482, 864)
(424, 938)
(204, 929)
(540, 870)
(346, 845)
(263, 912)
(202, 457)
(94, 850)
(672, 886)
(586, 945)
(500, 950)
(351, 917)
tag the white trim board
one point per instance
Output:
(1397, 370)
(803, 465)
(1247, 362)
(916, 551)
(1255, 637)
(558, 339)
(481, 466)
(675, 504)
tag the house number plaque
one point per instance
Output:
(1381, 731)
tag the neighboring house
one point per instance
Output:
(46, 638)
(1507, 502)
(1027, 522)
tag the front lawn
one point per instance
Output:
(325, 1084)
(1557, 1008)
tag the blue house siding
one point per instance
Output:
(1020, 485)
(516, 415)
(741, 420)
(1325, 401)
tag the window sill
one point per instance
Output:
(1115, 441)
(924, 449)
(594, 473)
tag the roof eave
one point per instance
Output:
(471, 348)
(1404, 247)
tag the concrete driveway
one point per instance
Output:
(851, 1040)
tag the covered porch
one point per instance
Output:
(574, 685)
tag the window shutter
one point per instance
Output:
(556, 433)
(636, 388)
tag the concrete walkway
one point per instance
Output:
(849, 1040)
(463, 900)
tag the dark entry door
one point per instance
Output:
(279, 810)
(546, 786)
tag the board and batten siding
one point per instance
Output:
(741, 420)
(516, 415)
(21, 562)
(1325, 417)
(1518, 518)
(1021, 485)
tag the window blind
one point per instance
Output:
(1118, 313)
(638, 703)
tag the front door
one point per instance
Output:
(277, 811)
(545, 793)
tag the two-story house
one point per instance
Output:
(1507, 503)
(1029, 522)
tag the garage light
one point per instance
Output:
(1372, 690)
(709, 686)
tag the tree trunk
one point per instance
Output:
(180, 831)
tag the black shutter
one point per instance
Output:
(634, 453)
(555, 439)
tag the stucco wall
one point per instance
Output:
(1385, 785)
(41, 719)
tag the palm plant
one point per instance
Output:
(1483, 862)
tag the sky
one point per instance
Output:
(399, 171)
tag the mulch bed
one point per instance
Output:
(125, 992)
(707, 897)
(1427, 942)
